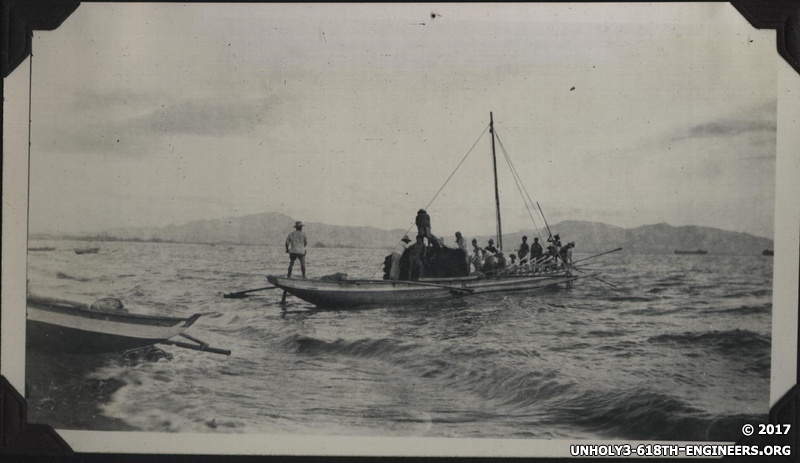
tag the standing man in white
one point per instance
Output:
(296, 244)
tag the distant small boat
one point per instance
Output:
(698, 251)
(768, 252)
(87, 251)
(45, 248)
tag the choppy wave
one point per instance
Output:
(733, 342)
(744, 310)
(750, 293)
(630, 299)
(357, 348)
(640, 414)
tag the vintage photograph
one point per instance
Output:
(469, 223)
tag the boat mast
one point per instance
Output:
(496, 189)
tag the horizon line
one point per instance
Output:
(84, 233)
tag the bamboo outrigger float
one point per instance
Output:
(344, 293)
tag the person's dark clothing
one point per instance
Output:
(536, 250)
(416, 252)
(524, 248)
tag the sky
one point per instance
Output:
(158, 114)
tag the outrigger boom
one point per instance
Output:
(201, 345)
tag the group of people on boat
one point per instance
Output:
(416, 253)
(488, 260)
(528, 259)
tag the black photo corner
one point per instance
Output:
(20, 439)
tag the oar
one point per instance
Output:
(597, 255)
(186, 345)
(539, 263)
(545, 219)
(241, 294)
(596, 278)
(201, 345)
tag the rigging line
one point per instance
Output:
(511, 164)
(514, 169)
(457, 167)
(549, 232)
(516, 173)
(519, 183)
(516, 177)
(442, 188)
(538, 213)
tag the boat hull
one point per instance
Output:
(356, 293)
(73, 328)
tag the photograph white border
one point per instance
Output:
(14, 274)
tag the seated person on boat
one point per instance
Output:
(437, 262)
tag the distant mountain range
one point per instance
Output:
(271, 228)
(660, 238)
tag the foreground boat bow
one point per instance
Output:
(55, 325)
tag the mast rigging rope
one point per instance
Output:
(520, 184)
(442, 188)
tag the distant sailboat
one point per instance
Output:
(87, 251)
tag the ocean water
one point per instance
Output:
(680, 349)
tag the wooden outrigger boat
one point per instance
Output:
(55, 325)
(355, 293)
(343, 293)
